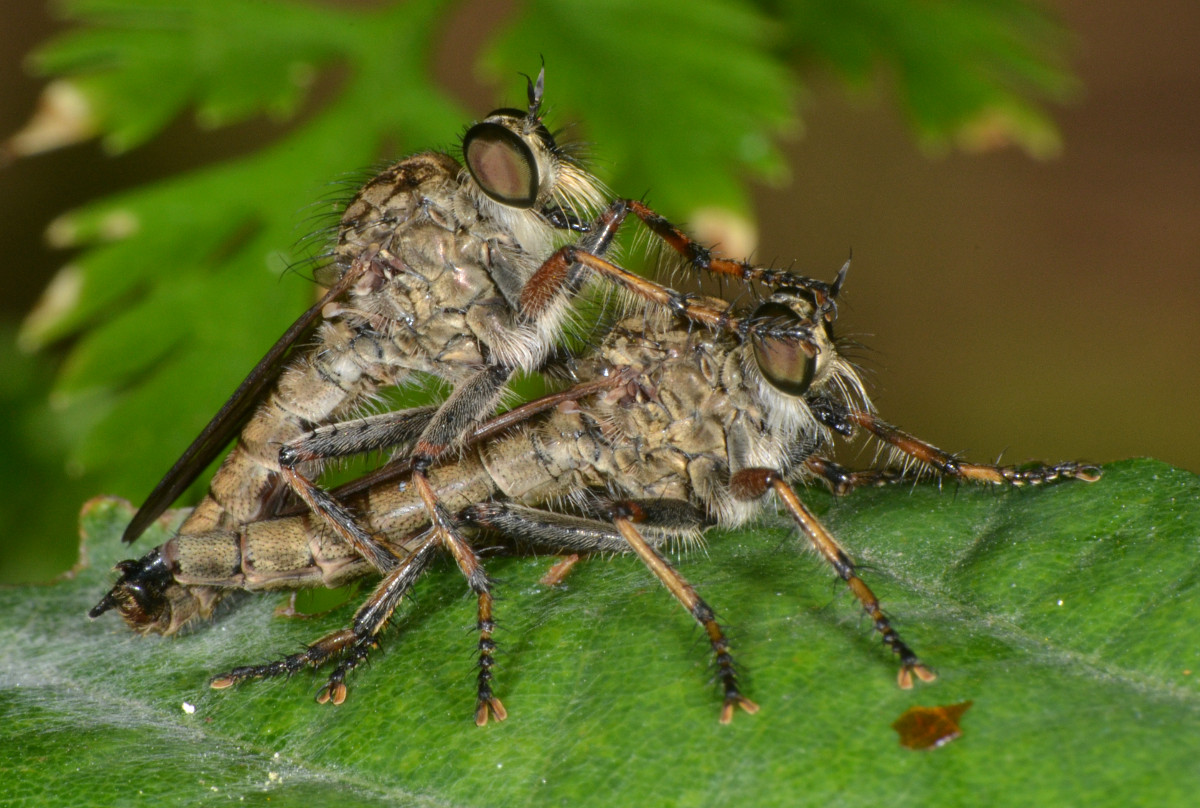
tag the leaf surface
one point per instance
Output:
(1066, 614)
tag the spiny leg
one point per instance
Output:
(753, 483)
(948, 465)
(564, 532)
(352, 643)
(703, 310)
(545, 530)
(341, 440)
(468, 562)
(842, 481)
(568, 533)
(544, 288)
(373, 616)
(468, 401)
(469, 404)
(701, 258)
(624, 515)
(385, 430)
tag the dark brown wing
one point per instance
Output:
(232, 416)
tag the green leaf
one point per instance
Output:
(37, 516)
(684, 103)
(969, 72)
(180, 306)
(1067, 614)
(230, 58)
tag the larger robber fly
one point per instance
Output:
(668, 430)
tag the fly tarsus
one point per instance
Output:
(313, 656)
(726, 671)
(352, 644)
(929, 456)
(334, 692)
(486, 702)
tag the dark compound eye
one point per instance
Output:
(782, 359)
(502, 163)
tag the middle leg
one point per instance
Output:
(753, 483)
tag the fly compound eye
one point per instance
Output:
(784, 359)
(502, 164)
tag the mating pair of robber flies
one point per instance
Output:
(683, 413)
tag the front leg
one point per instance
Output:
(946, 464)
(544, 293)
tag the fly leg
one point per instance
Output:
(842, 481)
(702, 258)
(456, 417)
(351, 644)
(661, 521)
(373, 616)
(928, 456)
(665, 518)
(752, 483)
(340, 440)
(545, 530)
(624, 516)
(447, 534)
(544, 288)
(542, 296)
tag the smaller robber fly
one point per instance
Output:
(667, 430)
(463, 272)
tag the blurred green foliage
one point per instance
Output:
(178, 287)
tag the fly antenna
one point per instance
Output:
(535, 89)
(836, 287)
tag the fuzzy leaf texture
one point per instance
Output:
(1066, 614)
(179, 287)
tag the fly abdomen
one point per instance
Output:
(274, 554)
(313, 389)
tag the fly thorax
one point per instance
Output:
(399, 194)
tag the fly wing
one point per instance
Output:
(232, 416)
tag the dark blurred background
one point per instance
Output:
(1030, 309)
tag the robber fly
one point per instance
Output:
(668, 429)
(462, 273)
